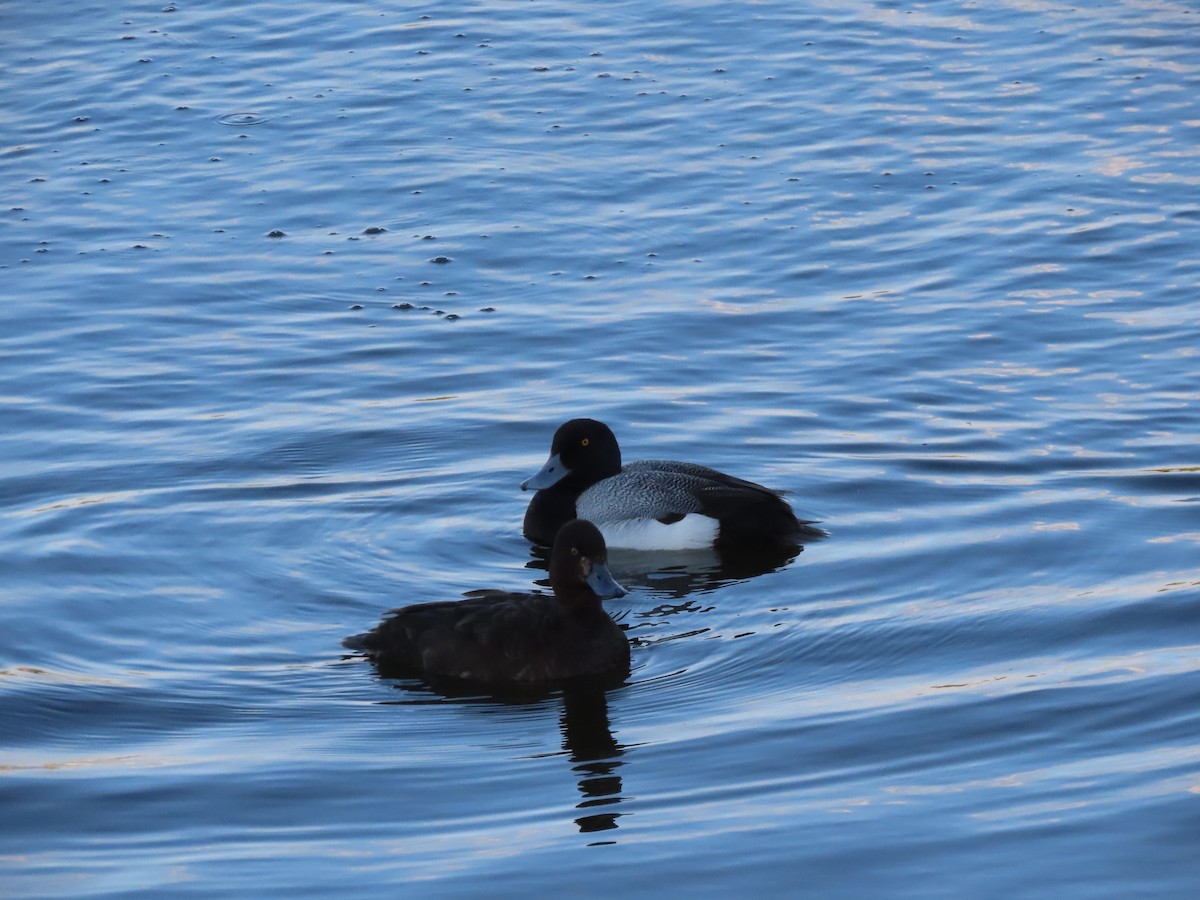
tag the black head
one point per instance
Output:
(585, 445)
(583, 452)
(579, 564)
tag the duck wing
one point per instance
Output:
(490, 636)
(711, 478)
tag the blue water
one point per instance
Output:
(294, 296)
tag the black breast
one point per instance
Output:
(548, 511)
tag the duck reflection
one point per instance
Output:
(596, 754)
(587, 737)
(679, 573)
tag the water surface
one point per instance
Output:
(296, 294)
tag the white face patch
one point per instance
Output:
(692, 532)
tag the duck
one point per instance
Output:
(653, 504)
(500, 638)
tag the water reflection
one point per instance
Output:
(589, 740)
(587, 737)
(679, 573)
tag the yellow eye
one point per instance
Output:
(585, 442)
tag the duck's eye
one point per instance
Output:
(585, 442)
(574, 551)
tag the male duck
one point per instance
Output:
(498, 638)
(653, 504)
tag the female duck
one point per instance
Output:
(653, 504)
(498, 638)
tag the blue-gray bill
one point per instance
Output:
(549, 475)
(603, 584)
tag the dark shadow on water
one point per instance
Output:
(587, 737)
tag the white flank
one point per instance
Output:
(693, 532)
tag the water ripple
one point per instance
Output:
(930, 271)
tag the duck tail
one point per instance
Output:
(357, 641)
(808, 530)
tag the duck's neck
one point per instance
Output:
(579, 600)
